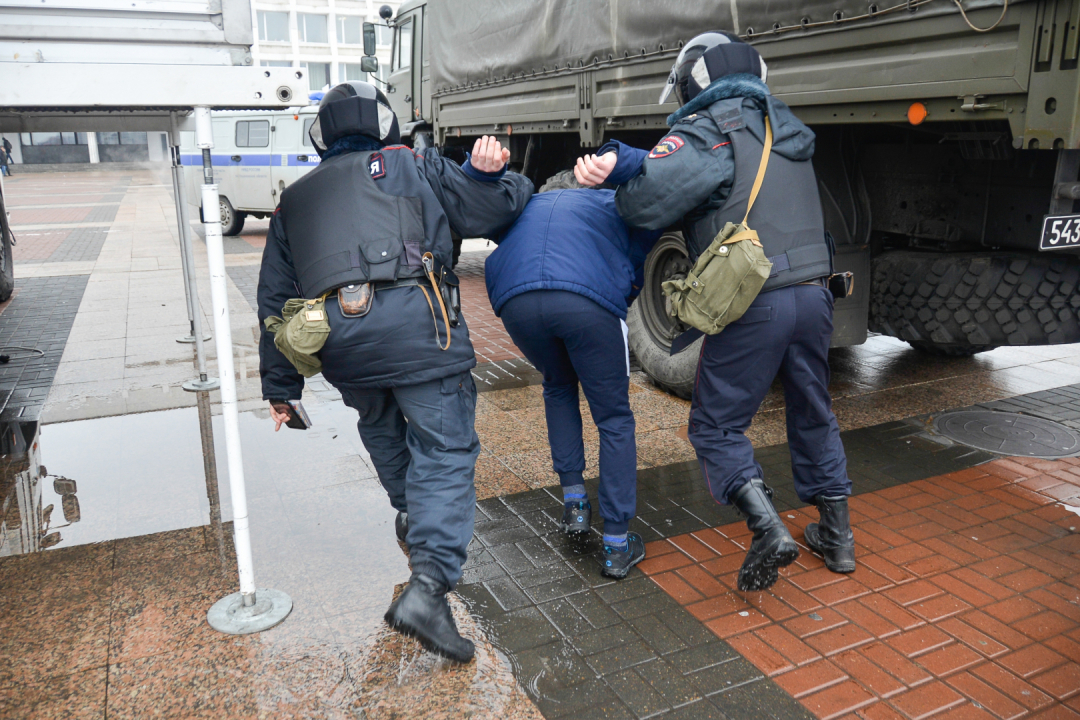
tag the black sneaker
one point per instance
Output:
(401, 526)
(577, 515)
(617, 563)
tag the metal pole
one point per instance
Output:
(187, 260)
(244, 612)
(206, 435)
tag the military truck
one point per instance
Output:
(947, 140)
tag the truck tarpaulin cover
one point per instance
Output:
(482, 40)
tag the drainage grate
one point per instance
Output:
(1009, 433)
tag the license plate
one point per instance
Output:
(1060, 232)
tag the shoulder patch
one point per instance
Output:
(668, 146)
(376, 165)
(730, 120)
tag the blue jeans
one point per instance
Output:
(569, 338)
(423, 443)
(784, 333)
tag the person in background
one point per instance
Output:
(561, 279)
(702, 173)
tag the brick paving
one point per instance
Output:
(39, 229)
(965, 604)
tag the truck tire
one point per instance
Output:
(7, 262)
(967, 303)
(562, 180)
(651, 327)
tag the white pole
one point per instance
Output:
(91, 145)
(231, 614)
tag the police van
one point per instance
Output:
(256, 155)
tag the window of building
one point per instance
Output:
(273, 26)
(123, 138)
(53, 138)
(311, 28)
(307, 128)
(350, 30)
(252, 133)
(318, 75)
(351, 71)
(276, 63)
(403, 46)
(384, 36)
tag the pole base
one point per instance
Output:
(228, 615)
(191, 338)
(200, 386)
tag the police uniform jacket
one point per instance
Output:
(703, 170)
(396, 342)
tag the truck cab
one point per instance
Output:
(409, 86)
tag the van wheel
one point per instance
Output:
(651, 326)
(232, 221)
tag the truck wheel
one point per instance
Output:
(232, 221)
(966, 303)
(562, 180)
(7, 267)
(651, 326)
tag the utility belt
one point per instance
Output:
(356, 300)
(302, 331)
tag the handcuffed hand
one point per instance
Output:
(488, 155)
(279, 418)
(594, 169)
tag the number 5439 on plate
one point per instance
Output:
(1060, 232)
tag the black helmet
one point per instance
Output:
(709, 57)
(354, 108)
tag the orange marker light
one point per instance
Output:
(917, 113)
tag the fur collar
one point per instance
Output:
(729, 86)
(351, 143)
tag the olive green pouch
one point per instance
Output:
(301, 333)
(728, 276)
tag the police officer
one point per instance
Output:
(376, 212)
(561, 279)
(702, 173)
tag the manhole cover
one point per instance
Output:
(1009, 433)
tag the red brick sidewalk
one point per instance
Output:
(966, 602)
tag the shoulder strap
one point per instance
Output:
(761, 168)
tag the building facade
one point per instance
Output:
(325, 37)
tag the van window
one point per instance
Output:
(403, 46)
(307, 127)
(252, 133)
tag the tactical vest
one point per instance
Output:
(344, 230)
(787, 213)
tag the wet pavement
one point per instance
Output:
(967, 602)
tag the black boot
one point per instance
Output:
(421, 612)
(401, 526)
(772, 546)
(832, 536)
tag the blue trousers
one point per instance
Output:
(422, 441)
(571, 339)
(784, 333)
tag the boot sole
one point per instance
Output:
(426, 643)
(842, 568)
(778, 558)
(573, 530)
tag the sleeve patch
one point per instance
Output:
(668, 146)
(376, 165)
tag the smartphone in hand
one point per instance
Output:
(298, 417)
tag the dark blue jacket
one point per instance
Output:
(572, 240)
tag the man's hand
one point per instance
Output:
(279, 417)
(488, 155)
(594, 169)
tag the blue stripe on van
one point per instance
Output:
(253, 160)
